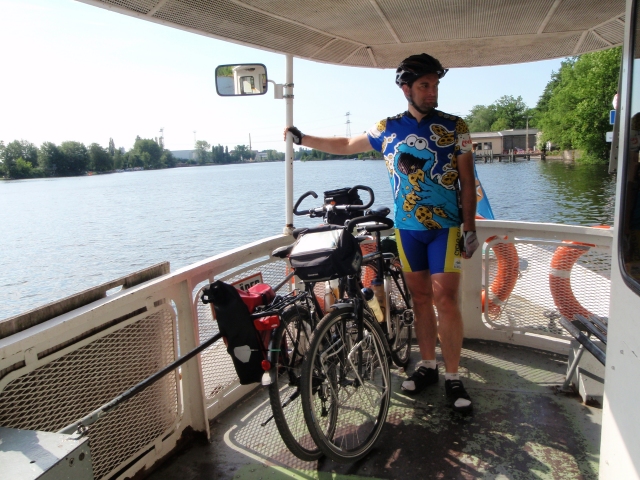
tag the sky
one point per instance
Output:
(72, 71)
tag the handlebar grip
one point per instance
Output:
(304, 195)
(369, 218)
(371, 197)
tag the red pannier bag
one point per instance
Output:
(256, 296)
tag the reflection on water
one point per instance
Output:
(552, 192)
(63, 235)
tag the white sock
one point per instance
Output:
(410, 384)
(461, 402)
(427, 363)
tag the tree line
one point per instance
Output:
(311, 154)
(573, 111)
(22, 159)
(217, 154)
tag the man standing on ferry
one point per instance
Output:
(428, 155)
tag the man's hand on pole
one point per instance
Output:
(296, 134)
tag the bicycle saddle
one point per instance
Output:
(282, 252)
(378, 211)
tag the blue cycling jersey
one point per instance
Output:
(421, 158)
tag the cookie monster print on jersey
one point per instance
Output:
(421, 158)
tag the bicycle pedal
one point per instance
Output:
(408, 317)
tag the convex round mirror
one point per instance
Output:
(244, 79)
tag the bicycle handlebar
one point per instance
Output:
(304, 195)
(320, 211)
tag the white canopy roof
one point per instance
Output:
(380, 33)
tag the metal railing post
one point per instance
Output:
(288, 175)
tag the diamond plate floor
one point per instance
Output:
(520, 429)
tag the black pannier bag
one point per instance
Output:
(324, 254)
(341, 196)
(236, 325)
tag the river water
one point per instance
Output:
(62, 235)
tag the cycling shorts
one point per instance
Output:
(434, 250)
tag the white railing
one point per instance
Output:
(528, 314)
(57, 372)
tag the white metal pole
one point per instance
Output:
(288, 162)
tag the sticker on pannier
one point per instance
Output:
(325, 255)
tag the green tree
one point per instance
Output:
(49, 157)
(150, 147)
(217, 153)
(243, 153)
(500, 124)
(202, 152)
(112, 147)
(274, 155)
(512, 111)
(118, 160)
(18, 149)
(74, 159)
(167, 160)
(134, 159)
(574, 108)
(99, 159)
(2, 149)
(224, 71)
(481, 118)
(22, 169)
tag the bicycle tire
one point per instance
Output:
(401, 334)
(358, 402)
(293, 337)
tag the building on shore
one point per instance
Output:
(502, 142)
(184, 154)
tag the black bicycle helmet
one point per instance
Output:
(415, 66)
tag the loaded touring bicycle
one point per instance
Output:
(110, 386)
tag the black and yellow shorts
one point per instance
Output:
(435, 250)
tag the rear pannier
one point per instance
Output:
(325, 254)
(241, 333)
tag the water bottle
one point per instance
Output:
(328, 296)
(371, 299)
(378, 290)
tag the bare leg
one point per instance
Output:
(421, 289)
(450, 328)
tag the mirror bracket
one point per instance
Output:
(277, 90)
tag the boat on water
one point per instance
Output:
(63, 361)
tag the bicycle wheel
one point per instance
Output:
(401, 317)
(293, 336)
(401, 333)
(345, 386)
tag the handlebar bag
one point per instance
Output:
(243, 341)
(341, 196)
(324, 255)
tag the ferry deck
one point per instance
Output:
(61, 363)
(522, 427)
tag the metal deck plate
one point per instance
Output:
(27, 455)
(521, 428)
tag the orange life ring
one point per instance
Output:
(505, 281)
(560, 279)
